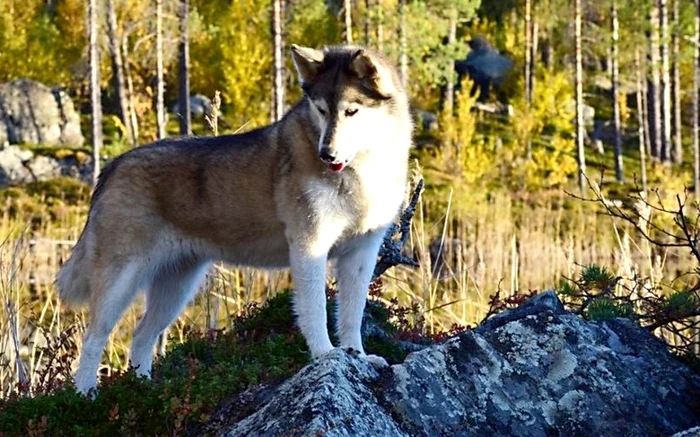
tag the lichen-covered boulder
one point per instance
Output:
(18, 166)
(533, 371)
(32, 113)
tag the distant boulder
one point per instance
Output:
(200, 105)
(484, 65)
(32, 113)
(19, 166)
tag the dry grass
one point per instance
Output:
(497, 244)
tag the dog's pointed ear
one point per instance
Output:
(371, 70)
(307, 62)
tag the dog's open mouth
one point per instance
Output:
(336, 166)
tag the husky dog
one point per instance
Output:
(321, 184)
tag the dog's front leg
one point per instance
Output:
(354, 270)
(309, 275)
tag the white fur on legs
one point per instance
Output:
(309, 275)
(169, 293)
(354, 269)
(112, 295)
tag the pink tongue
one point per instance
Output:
(336, 167)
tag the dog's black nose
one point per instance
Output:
(326, 154)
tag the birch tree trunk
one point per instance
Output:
(665, 84)
(403, 61)
(278, 46)
(118, 72)
(347, 8)
(696, 103)
(380, 26)
(130, 89)
(451, 40)
(677, 149)
(95, 93)
(641, 121)
(368, 21)
(160, 85)
(528, 69)
(528, 49)
(616, 91)
(654, 93)
(533, 55)
(579, 98)
(183, 51)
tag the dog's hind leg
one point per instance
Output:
(170, 291)
(112, 290)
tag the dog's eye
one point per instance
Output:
(321, 110)
(350, 112)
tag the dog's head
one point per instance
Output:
(355, 98)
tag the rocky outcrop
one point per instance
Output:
(484, 65)
(32, 113)
(533, 371)
(20, 166)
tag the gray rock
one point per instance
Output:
(692, 432)
(12, 165)
(71, 134)
(428, 121)
(43, 168)
(533, 371)
(330, 397)
(200, 105)
(32, 113)
(19, 166)
(485, 65)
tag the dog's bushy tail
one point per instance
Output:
(73, 280)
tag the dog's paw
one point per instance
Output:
(375, 360)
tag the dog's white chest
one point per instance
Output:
(381, 196)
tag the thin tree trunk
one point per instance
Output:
(654, 90)
(547, 56)
(641, 121)
(368, 21)
(95, 93)
(696, 103)
(118, 71)
(645, 108)
(533, 57)
(450, 88)
(616, 91)
(579, 98)
(183, 51)
(380, 26)
(528, 69)
(160, 84)
(133, 118)
(403, 62)
(665, 84)
(677, 150)
(533, 65)
(277, 29)
(347, 8)
(528, 50)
